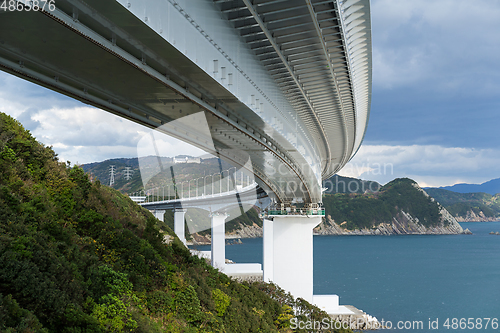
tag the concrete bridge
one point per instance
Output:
(286, 84)
(217, 205)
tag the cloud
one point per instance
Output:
(18, 95)
(86, 134)
(26, 118)
(429, 165)
(435, 105)
(77, 132)
(86, 126)
(435, 73)
(448, 44)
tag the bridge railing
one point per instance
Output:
(206, 186)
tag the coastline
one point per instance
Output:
(492, 219)
(403, 225)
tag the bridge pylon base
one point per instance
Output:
(179, 224)
(159, 214)
(288, 253)
(218, 240)
(288, 258)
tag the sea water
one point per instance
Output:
(417, 281)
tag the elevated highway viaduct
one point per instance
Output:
(283, 83)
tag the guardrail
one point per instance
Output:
(298, 211)
(217, 185)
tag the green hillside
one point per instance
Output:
(368, 210)
(182, 172)
(459, 204)
(76, 256)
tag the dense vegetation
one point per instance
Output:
(77, 256)
(368, 210)
(459, 204)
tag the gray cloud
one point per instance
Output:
(18, 95)
(86, 134)
(450, 45)
(429, 165)
(435, 73)
(26, 118)
(77, 132)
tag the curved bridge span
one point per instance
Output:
(278, 88)
(287, 83)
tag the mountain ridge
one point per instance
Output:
(491, 187)
(399, 207)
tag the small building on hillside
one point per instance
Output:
(187, 159)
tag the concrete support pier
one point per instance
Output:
(179, 224)
(159, 213)
(288, 253)
(218, 240)
(267, 250)
(288, 259)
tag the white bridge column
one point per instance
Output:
(288, 253)
(179, 225)
(158, 213)
(218, 240)
(268, 252)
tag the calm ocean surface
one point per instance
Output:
(406, 278)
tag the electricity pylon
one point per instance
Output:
(112, 175)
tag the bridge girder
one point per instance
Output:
(104, 54)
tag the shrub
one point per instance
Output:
(221, 300)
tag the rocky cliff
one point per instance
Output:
(400, 207)
(472, 216)
(246, 231)
(402, 224)
(468, 207)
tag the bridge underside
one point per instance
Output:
(291, 93)
(109, 62)
(285, 84)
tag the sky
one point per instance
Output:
(435, 112)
